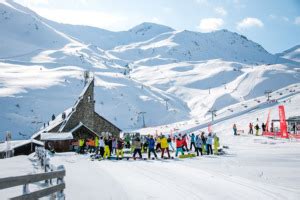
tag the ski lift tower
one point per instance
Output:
(213, 114)
(143, 116)
(268, 93)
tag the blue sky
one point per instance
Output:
(275, 24)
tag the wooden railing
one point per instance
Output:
(51, 173)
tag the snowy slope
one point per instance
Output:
(254, 168)
(291, 54)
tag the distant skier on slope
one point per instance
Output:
(257, 129)
(251, 128)
(234, 129)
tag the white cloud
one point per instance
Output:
(221, 11)
(297, 20)
(249, 22)
(210, 24)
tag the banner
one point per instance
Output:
(283, 127)
(267, 123)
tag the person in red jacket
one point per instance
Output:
(179, 145)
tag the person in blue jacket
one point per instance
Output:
(192, 141)
(151, 146)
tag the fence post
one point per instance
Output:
(60, 194)
(25, 189)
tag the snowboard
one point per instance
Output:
(190, 155)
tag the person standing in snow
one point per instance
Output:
(234, 129)
(81, 145)
(185, 146)
(209, 142)
(106, 148)
(101, 146)
(198, 144)
(109, 144)
(179, 146)
(127, 141)
(251, 128)
(164, 146)
(192, 141)
(96, 145)
(216, 144)
(170, 142)
(257, 129)
(263, 127)
(114, 146)
(119, 148)
(158, 145)
(151, 146)
(137, 146)
(203, 138)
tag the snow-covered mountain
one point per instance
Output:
(142, 69)
(291, 54)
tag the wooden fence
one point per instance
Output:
(51, 173)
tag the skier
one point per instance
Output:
(137, 145)
(170, 142)
(119, 148)
(158, 145)
(234, 129)
(164, 146)
(251, 128)
(263, 127)
(198, 144)
(257, 129)
(209, 142)
(101, 146)
(192, 141)
(179, 145)
(151, 146)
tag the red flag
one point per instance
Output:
(209, 128)
(283, 127)
(267, 123)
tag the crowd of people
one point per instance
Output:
(257, 128)
(163, 144)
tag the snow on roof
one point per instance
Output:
(17, 143)
(53, 123)
(57, 136)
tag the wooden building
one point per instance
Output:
(81, 120)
